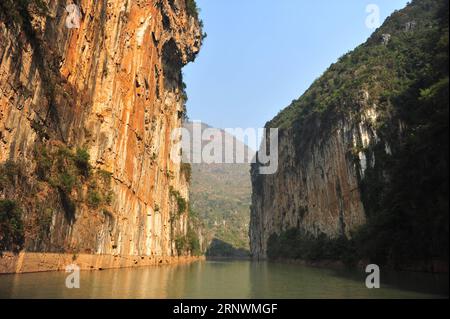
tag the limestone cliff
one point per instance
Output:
(86, 116)
(315, 190)
(363, 153)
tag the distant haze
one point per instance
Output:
(221, 194)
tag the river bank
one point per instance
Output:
(30, 262)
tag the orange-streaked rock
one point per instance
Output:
(114, 85)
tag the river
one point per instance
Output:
(224, 279)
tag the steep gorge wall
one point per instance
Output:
(114, 88)
(316, 187)
(363, 154)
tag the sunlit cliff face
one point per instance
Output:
(111, 86)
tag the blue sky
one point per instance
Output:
(262, 54)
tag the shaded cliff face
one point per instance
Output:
(315, 191)
(363, 154)
(104, 97)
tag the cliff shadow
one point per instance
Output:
(220, 249)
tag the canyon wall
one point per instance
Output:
(363, 154)
(108, 93)
(316, 187)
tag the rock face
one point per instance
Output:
(112, 87)
(316, 186)
(363, 154)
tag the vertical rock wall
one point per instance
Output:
(113, 87)
(316, 188)
(362, 146)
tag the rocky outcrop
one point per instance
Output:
(113, 89)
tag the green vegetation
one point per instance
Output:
(105, 175)
(180, 200)
(190, 242)
(63, 168)
(66, 182)
(383, 70)
(94, 198)
(180, 244)
(186, 170)
(67, 170)
(44, 163)
(219, 248)
(192, 8)
(169, 174)
(14, 181)
(408, 213)
(81, 160)
(99, 189)
(181, 241)
(193, 242)
(60, 171)
(9, 173)
(11, 226)
(295, 244)
(221, 196)
(405, 194)
(98, 196)
(44, 221)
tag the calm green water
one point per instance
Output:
(224, 279)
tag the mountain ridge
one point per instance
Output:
(220, 196)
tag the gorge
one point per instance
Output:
(94, 120)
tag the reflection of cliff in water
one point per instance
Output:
(219, 248)
(225, 279)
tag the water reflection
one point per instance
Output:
(224, 279)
